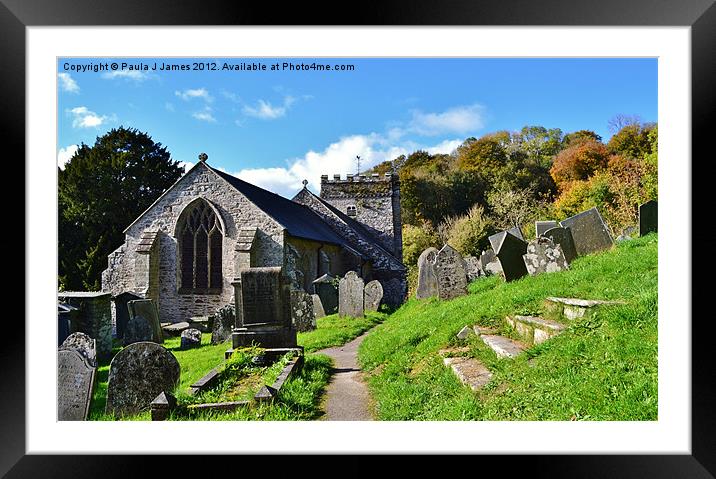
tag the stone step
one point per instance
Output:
(533, 329)
(470, 371)
(574, 308)
(503, 347)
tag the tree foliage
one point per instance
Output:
(579, 161)
(101, 190)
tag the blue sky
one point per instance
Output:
(275, 128)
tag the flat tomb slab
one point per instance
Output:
(541, 323)
(582, 303)
(503, 347)
(470, 371)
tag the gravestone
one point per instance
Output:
(137, 330)
(496, 239)
(224, 320)
(451, 272)
(325, 288)
(190, 338)
(148, 310)
(302, 314)
(648, 217)
(474, 268)
(627, 233)
(121, 310)
(83, 344)
(427, 279)
(510, 252)
(542, 226)
(490, 264)
(589, 232)
(543, 256)
(372, 295)
(64, 320)
(318, 311)
(75, 381)
(563, 237)
(350, 295)
(263, 304)
(137, 374)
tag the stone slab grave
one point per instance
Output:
(318, 311)
(589, 232)
(83, 344)
(534, 330)
(75, 383)
(648, 218)
(302, 314)
(543, 256)
(190, 338)
(224, 322)
(372, 295)
(496, 239)
(263, 304)
(137, 374)
(451, 272)
(202, 323)
(470, 371)
(474, 268)
(502, 346)
(562, 237)
(542, 226)
(143, 322)
(510, 252)
(326, 289)
(574, 308)
(175, 329)
(427, 278)
(92, 316)
(350, 295)
(490, 264)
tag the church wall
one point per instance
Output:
(307, 260)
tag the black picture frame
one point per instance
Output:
(700, 15)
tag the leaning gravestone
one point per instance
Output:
(325, 288)
(589, 232)
(542, 226)
(648, 217)
(372, 295)
(427, 279)
(562, 237)
(137, 330)
(75, 381)
(190, 338)
(350, 295)
(496, 239)
(474, 268)
(302, 314)
(83, 344)
(451, 272)
(490, 263)
(224, 321)
(137, 374)
(318, 311)
(510, 252)
(543, 256)
(147, 309)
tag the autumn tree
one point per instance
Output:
(579, 161)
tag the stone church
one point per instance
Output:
(189, 245)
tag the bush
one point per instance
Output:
(416, 239)
(468, 233)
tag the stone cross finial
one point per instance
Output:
(203, 157)
(305, 182)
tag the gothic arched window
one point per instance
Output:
(200, 236)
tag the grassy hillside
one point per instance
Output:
(599, 369)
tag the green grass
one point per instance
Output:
(599, 369)
(334, 330)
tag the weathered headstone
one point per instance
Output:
(543, 256)
(373, 295)
(563, 237)
(427, 279)
(318, 311)
(589, 232)
(542, 226)
(224, 320)
(509, 252)
(137, 330)
(148, 310)
(83, 344)
(451, 272)
(490, 264)
(302, 314)
(496, 239)
(137, 374)
(350, 295)
(75, 381)
(325, 288)
(121, 310)
(627, 233)
(648, 217)
(190, 338)
(474, 268)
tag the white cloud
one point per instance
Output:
(187, 165)
(65, 154)
(67, 83)
(134, 75)
(187, 95)
(205, 115)
(266, 111)
(82, 117)
(460, 119)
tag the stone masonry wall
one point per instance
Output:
(303, 261)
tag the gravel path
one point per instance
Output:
(347, 397)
